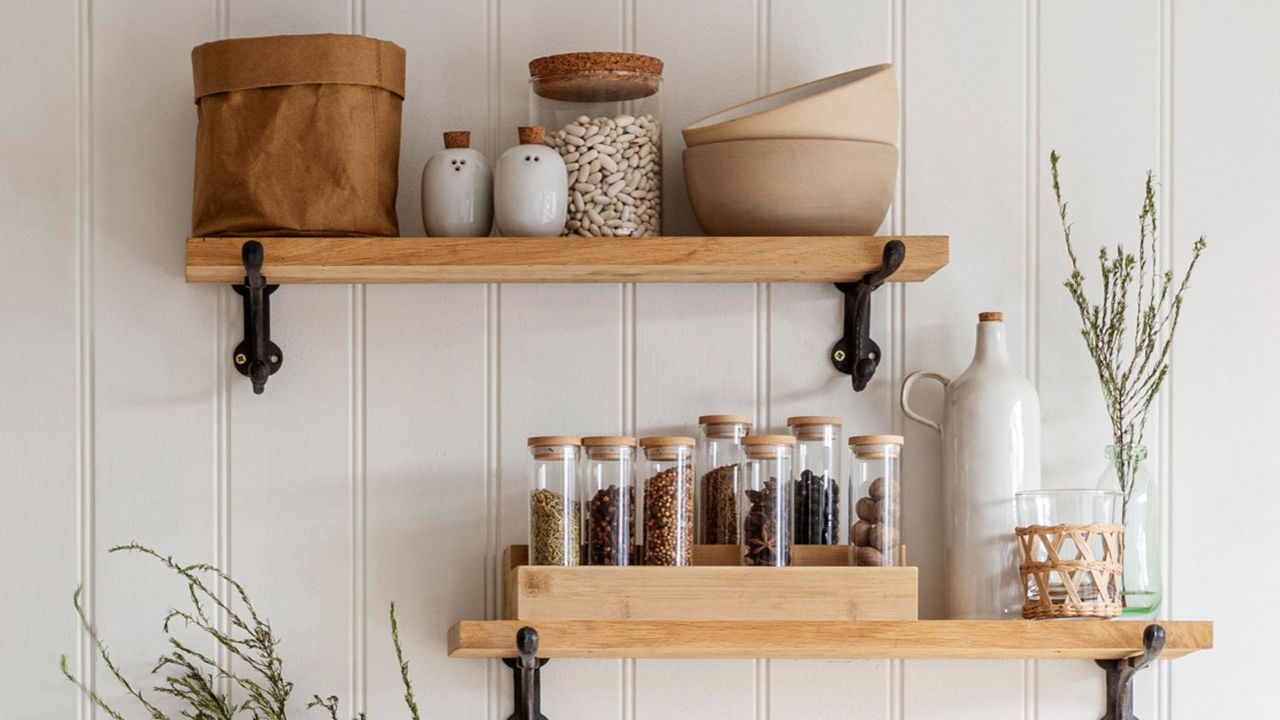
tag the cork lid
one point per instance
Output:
(609, 447)
(723, 420)
(767, 447)
(595, 76)
(541, 440)
(990, 316)
(722, 427)
(667, 441)
(457, 139)
(858, 440)
(531, 135)
(609, 441)
(816, 427)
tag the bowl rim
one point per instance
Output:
(789, 139)
(852, 76)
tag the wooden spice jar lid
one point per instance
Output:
(457, 139)
(545, 440)
(596, 76)
(767, 447)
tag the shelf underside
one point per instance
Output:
(942, 639)
(562, 260)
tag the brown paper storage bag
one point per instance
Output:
(298, 135)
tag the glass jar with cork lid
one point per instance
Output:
(817, 487)
(766, 505)
(603, 114)
(666, 501)
(610, 498)
(555, 517)
(721, 480)
(875, 479)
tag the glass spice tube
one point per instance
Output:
(816, 499)
(610, 497)
(721, 482)
(876, 479)
(555, 516)
(766, 506)
(666, 501)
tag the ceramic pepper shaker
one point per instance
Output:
(457, 190)
(530, 188)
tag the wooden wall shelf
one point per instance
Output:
(921, 639)
(563, 260)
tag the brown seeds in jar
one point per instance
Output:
(720, 506)
(610, 530)
(668, 517)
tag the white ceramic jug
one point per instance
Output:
(457, 190)
(990, 450)
(530, 188)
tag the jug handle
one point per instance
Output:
(906, 390)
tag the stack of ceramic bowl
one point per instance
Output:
(816, 159)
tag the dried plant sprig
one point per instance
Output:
(193, 677)
(1131, 373)
(404, 666)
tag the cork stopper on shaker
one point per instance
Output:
(990, 317)
(532, 135)
(457, 139)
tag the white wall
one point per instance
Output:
(387, 459)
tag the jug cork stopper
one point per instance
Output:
(531, 135)
(990, 317)
(457, 139)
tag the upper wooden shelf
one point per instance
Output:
(562, 259)
(919, 639)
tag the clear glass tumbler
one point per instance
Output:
(1063, 511)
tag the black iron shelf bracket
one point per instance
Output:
(1120, 674)
(527, 672)
(856, 354)
(256, 356)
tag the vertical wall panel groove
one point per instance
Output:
(492, 358)
(85, 391)
(1031, 281)
(762, 328)
(1164, 702)
(359, 471)
(897, 291)
(224, 315)
(627, 327)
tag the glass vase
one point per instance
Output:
(1127, 473)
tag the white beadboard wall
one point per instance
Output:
(387, 459)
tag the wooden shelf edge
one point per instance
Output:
(563, 260)
(894, 640)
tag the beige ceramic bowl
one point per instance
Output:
(857, 105)
(791, 187)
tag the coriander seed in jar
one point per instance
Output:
(603, 114)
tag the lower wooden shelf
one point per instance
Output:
(916, 639)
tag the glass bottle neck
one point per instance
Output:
(1131, 453)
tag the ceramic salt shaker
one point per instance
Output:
(457, 190)
(990, 450)
(530, 188)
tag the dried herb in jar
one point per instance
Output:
(668, 518)
(720, 505)
(609, 538)
(765, 541)
(817, 509)
(555, 542)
